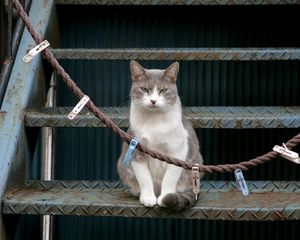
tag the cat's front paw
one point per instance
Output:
(160, 202)
(148, 200)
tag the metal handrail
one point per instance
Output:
(13, 44)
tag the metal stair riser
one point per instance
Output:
(192, 54)
(267, 201)
(178, 2)
(210, 213)
(206, 186)
(201, 117)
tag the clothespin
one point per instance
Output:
(241, 183)
(129, 154)
(287, 154)
(34, 51)
(80, 105)
(196, 180)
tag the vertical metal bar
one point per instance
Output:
(47, 164)
(9, 28)
(47, 227)
(48, 153)
(8, 63)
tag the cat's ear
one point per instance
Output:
(137, 71)
(172, 71)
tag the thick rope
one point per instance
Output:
(125, 136)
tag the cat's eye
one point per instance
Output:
(164, 90)
(145, 89)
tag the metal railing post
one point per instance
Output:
(47, 159)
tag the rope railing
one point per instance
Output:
(245, 165)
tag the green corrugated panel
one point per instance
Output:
(123, 228)
(92, 153)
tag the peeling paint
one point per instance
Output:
(2, 114)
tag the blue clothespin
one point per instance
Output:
(240, 180)
(132, 146)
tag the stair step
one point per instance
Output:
(201, 117)
(178, 2)
(218, 200)
(190, 54)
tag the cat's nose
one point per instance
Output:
(153, 102)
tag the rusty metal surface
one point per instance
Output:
(179, 2)
(274, 201)
(188, 54)
(201, 117)
(207, 186)
(82, 185)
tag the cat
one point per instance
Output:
(156, 119)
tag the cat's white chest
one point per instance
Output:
(163, 132)
(159, 131)
(153, 132)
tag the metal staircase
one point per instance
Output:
(24, 110)
(219, 201)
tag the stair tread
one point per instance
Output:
(201, 117)
(227, 54)
(218, 200)
(178, 2)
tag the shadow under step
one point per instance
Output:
(218, 200)
(201, 117)
(177, 2)
(188, 54)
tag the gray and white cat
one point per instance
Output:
(156, 119)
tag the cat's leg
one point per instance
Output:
(169, 182)
(172, 173)
(144, 178)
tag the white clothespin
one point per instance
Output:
(80, 105)
(196, 180)
(240, 180)
(130, 151)
(34, 51)
(287, 154)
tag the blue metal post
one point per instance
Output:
(24, 90)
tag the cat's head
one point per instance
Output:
(154, 89)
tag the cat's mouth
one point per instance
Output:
(153, 107)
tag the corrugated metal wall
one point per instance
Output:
(92, 153)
